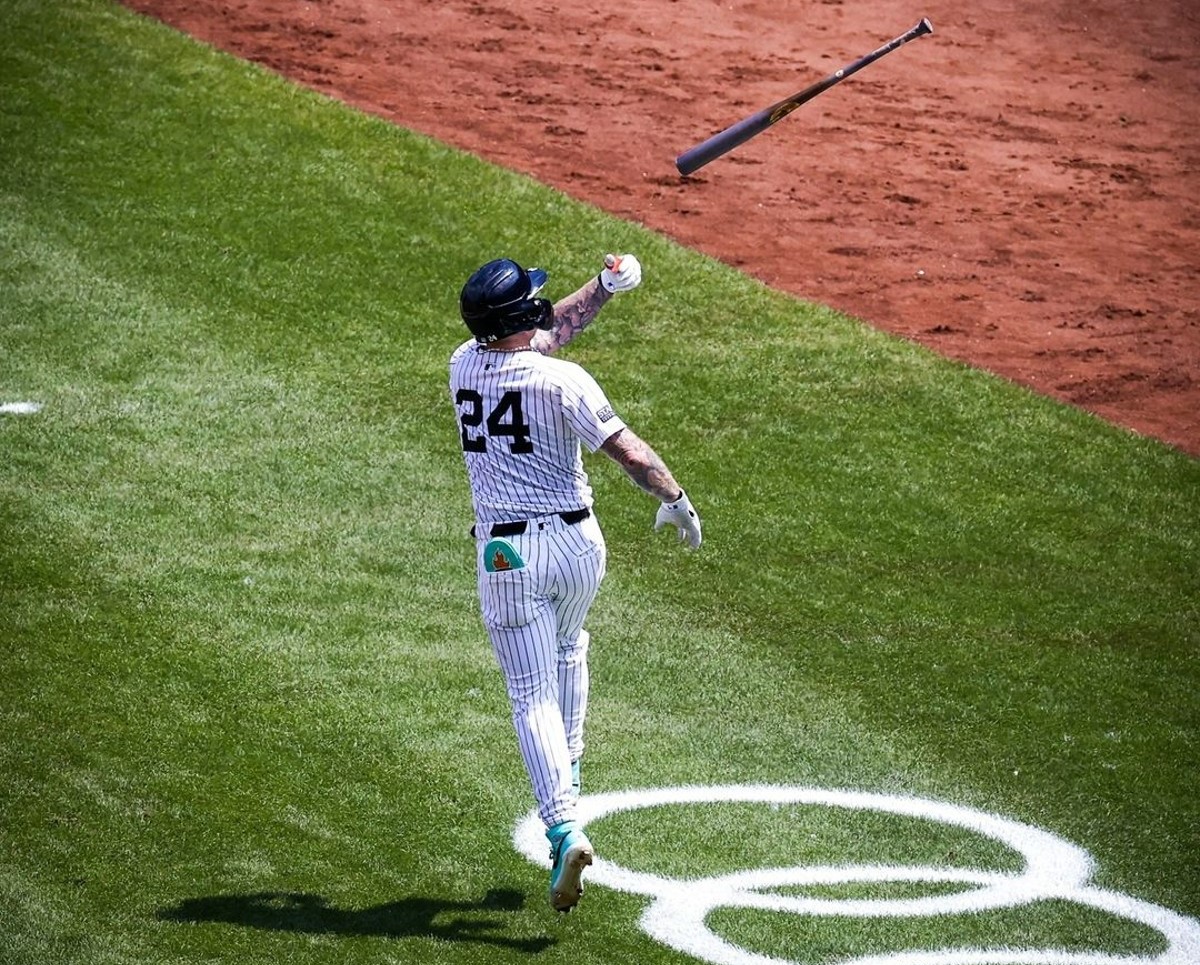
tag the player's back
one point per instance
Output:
(521, 418)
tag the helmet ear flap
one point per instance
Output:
(545, 314)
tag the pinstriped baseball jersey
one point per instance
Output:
(522, 416)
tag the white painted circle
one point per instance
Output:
(1053, 869)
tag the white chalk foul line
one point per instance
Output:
(20, 408)
(1054, 869)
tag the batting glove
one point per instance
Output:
(621, 273)
(683, 517)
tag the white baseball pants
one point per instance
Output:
(534, 616)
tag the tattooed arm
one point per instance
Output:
(571, 316)
(642, 465)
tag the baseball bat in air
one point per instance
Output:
(724, 141)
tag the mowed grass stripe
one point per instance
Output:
(241, 651)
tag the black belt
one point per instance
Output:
(516, 529)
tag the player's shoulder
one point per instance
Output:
(561, 371)
(467, 346)
(570, 378)
(465, 354)
(551, 363)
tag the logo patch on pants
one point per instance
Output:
(500, 555)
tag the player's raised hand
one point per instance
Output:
(683, 516)
(621, 273)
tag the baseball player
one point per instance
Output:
(539, 551)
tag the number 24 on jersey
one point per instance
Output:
(505, 420)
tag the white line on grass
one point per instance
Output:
(20, 408)
(1055, 870)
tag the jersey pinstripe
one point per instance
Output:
(522, 417)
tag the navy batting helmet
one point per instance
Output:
(498, 300)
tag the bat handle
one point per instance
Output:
(612, 262)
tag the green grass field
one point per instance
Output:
(248, 710)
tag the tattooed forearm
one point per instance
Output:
(642, 465)
(571, 316)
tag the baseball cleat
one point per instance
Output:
(570, 853)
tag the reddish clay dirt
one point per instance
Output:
(1019, 191)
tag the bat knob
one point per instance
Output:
(612, 262)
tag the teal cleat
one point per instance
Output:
(570, 853)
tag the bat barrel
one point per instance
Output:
(726, 140)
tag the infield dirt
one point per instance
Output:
(1019, 191)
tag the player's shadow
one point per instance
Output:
(456, 921)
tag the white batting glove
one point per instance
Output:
(621, 273)
(683, 517)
